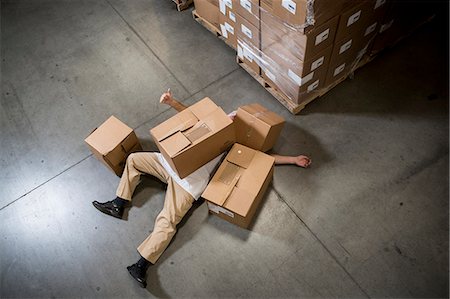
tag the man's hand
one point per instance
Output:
(166, 98)
(302, 161)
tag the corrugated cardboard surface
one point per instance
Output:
(208, 10)
(257, 127)
(194, 136)
(237, 187)
(112, 142)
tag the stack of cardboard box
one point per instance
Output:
(197, 135)
(302, 48)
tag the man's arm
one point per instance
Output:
(301, 160)
(168, 99)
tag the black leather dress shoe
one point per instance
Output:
(138, 274)
(109, 208)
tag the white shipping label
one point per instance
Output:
(247, 5)
(229, 28)
(317, 63)
(222, 7)
(379, 3)
(228, 3)
(216, 209)
(345, 47)
(248, 55)
(338, 70)
(232, 16)
(354, 18)
(224, 31)
(370, 29)
(313, 86)
(240, 52)
(321, 37)
(270, 76)
(246, 31)
(299, 80)
(290, 5)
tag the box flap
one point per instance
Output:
(203, 108)
(110, 134)
(241, 155)
(239, 201)
(177, 123)
(223, 182)
(198, 131)
(175, 143)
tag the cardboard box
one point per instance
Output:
(249, 10)
(295, 12)
(283, 60)
(112, 142)
(239, 184)
(296, 93)
(228, 23)
(257, 127)
(360, 16)
(208, 10)
(247, 32)
(194, 136)
(342, 65)
(249, 55)
(302, 45)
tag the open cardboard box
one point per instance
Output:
(194, 136)
(257, 127)
(238, 186)
(112, 142)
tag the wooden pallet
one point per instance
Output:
(183, 4)
(213, 29)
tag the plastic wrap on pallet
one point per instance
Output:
(298, 59)
(291, 59)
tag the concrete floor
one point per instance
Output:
(369, 219)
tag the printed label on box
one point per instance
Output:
(247, 5)
(299, 80)
(386, 26)
(240, 52)
(216, 209)
(232, 16)
(321, 37)
(229, 28)
(248, 55)
(246, 31)
(379, 3)
(224, 31)
(222, 7)
(345, 47)
(338, 70)
(228, 3)
(370, 29)
(353, 18)
(317, 63)
(290, 5)
(313, 86)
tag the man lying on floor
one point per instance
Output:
(180, 195)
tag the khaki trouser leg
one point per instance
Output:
(176, 204)
(138, 164)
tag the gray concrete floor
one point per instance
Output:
(369, 219)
